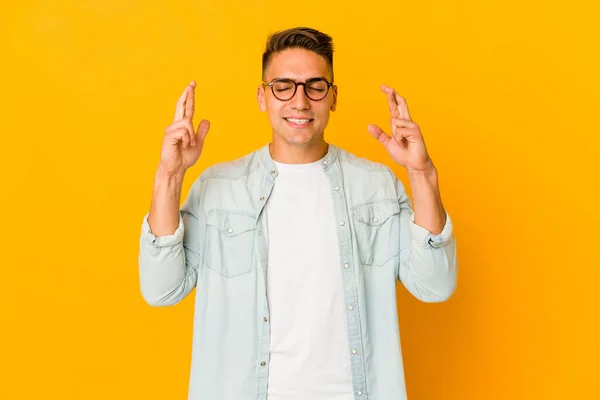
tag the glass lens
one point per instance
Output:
(316, 90)
(283, 90)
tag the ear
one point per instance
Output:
(260, 97)
(334, 92)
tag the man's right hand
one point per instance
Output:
(181, 148)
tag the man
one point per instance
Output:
(295, 249)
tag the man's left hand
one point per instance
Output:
(406, 145)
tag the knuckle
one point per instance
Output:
(177, 132)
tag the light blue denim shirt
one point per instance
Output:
(220, 248)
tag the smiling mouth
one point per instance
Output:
(298, 121)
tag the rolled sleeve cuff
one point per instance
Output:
(426, 238)
(162, 241)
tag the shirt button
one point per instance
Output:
(324, 162)
(350, 308)
(342, 223)
(265, 319)
(346, 266)
(259, 233)
(263, 363)
(354, 351)
(336, 188)
(230, 230)
(359, 393)
(262, 198)
(375, 220)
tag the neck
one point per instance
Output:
(298, 154)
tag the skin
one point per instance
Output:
(182, 145)
(297, 145)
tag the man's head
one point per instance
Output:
(300, 55)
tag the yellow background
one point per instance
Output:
(506, 94)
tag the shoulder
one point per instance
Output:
(232, 169)
(350, 160)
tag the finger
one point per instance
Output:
(402, 106)
(402, 123)
(182, 123)
(391, 100)
(179, 110)
(408, 134)
(398, 134)
(189, 102)
(203, 128)
(379, 134)
(178, 135)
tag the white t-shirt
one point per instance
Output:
(309, 353)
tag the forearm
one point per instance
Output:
(428, 208)
(169, 253)
(166, 275)
(163, 217)
(428, 263)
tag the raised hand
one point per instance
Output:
(181, 148)
(406, 145)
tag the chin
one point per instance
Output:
(300, 138)
(297, 137)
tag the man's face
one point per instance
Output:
(288, 118)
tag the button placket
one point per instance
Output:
(350, 290)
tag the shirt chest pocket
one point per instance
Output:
(230, 241)
(377, 227)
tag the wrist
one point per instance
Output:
(163, 175)
(428, 173)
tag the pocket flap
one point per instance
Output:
(231, 224)
(376, 213)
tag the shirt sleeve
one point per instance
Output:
(427, 264)
(168, 264)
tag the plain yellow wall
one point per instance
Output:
(507, 97)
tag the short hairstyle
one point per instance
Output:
(298, 38)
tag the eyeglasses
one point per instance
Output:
(284, 89)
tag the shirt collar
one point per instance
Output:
(268, 163)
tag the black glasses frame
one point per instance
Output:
(296, 84)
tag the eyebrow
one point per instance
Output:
(295, 80)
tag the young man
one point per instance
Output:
(295, 249)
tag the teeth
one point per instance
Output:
(298, 121)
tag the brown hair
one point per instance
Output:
(300, 37)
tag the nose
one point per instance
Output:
(300, 101)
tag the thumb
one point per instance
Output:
(203, 128)
(379, 134)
